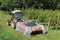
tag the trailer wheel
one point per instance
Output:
(43, 31)
(27, 33)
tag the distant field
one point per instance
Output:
(8, 33)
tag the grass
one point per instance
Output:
(8, 33)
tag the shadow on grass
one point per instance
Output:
(58, 28)
(36, 33)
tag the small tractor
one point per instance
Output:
(16, 16)
(17, 22)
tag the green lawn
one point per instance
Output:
(8, 33)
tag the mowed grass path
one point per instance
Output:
(8, 33)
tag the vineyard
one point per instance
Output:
(40, 16)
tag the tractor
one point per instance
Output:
(16, 17)
(17, 22)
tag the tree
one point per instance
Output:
(35, 4)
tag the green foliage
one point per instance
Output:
(35, 4)
(42, 15)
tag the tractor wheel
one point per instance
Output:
(8, 22)
(13, 24)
